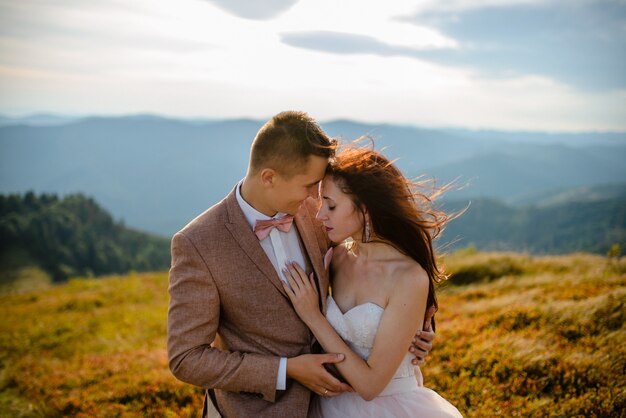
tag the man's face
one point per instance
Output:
(288, 194)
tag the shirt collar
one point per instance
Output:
(251, 214)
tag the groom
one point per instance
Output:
(231, 327)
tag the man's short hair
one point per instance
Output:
(286, 141)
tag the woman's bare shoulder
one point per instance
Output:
(411, 276)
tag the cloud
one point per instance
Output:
(342, 43)
(255, 10)
(580, 43)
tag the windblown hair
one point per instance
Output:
(286, 141)
(399, 213)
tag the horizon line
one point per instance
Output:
(195, 118)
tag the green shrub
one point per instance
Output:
(489, 270)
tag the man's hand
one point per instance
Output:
(308, 369)
(423, 340)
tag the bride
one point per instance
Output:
(382, 281)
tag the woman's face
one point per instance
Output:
(338, 213)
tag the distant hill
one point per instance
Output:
(72, 236)
(514, 174)
(566, 226)
(39, 119)
(578, 194)
(158, 173)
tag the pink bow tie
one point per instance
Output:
(263, 228)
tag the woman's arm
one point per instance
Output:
(403, 314)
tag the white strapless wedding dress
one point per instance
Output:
(401, 398)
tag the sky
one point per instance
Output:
(531, 65)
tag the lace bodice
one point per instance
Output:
(358, 328)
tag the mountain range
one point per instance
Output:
(157, 173)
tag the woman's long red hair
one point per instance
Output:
(399, 213)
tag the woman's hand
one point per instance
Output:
(303, 292)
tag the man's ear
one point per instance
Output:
(268, 176)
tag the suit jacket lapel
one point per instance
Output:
(307, 234)
(249, 243)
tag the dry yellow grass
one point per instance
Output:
(532, 336)
(524, 336)
(92, 347)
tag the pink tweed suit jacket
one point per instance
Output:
(229, 318)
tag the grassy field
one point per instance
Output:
(516, 336)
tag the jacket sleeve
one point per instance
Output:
(192, 322)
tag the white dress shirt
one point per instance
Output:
(281, 248)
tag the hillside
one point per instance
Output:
(517, 336)
(71, 236)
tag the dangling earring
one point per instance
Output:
(366, 232)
